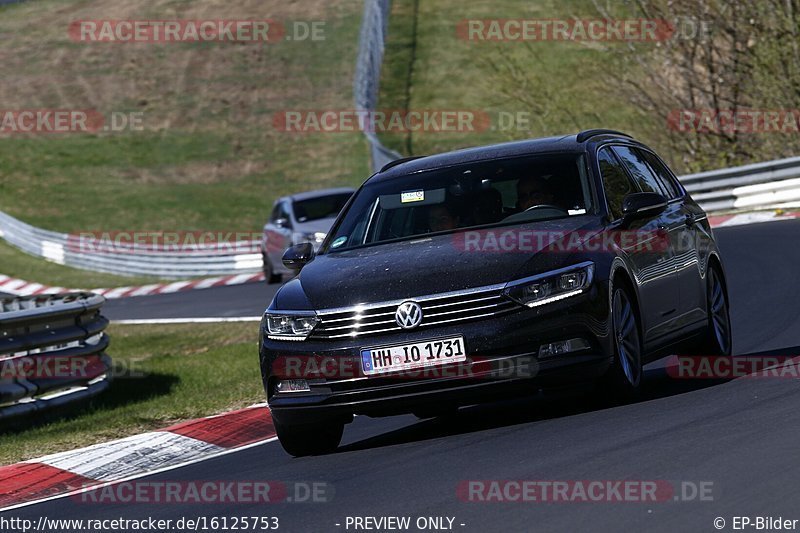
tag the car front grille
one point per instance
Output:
(437, 309)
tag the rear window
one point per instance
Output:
(639, 169)
(320, 207)
(616, 182)
(663, 174)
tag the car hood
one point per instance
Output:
(432, 265)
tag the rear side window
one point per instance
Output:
(663, 174)
(637, 166)
(281, 212)
(320, 207)
(615, 182)
(276, 213)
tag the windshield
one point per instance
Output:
(320, 207)
(498, 192)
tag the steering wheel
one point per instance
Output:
(545, 206)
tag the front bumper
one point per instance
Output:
(502, 361)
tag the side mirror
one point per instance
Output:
(282, 222)
(298, 256)
(642, 204)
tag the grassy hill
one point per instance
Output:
(208, 157)
(744, 59)
(428, 66)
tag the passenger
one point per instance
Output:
(441, 218)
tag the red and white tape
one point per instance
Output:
(78, 470)
(19, 287)
(743, 219)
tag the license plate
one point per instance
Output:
(383, 359)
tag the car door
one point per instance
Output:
(278, 234)
(688, 231)
(654, 255)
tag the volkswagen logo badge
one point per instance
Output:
(408, 315)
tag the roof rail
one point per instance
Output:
(396, 162)
(587, 134)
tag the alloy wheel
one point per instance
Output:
(626, 334)
(718, 312)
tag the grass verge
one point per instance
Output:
(189, 371)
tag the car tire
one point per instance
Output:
(309, 439)
(269, 275)
(623, 381)
(718, 337)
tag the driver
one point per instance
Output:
(532, 191)
(442, 218)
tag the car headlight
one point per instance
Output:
(551, 286)
(291, 327)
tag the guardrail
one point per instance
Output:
(52, 352)
(768, 185)
(366, 85)
(99, 255)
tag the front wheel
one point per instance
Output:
(718, 332)
(309, 439)
(624, 378)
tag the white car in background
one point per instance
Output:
(298, 218)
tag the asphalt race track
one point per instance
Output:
(249, 299)
(742, 435)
